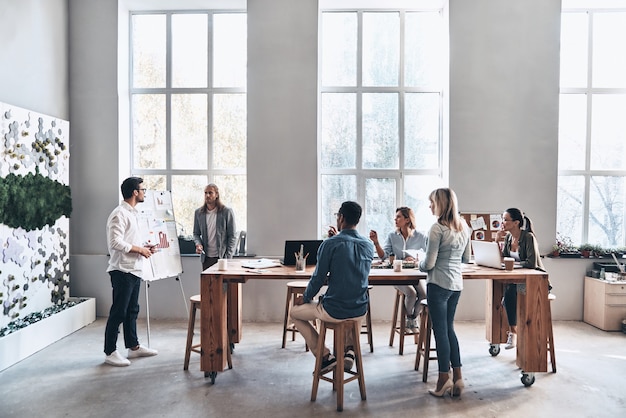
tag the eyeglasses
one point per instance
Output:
(141, 190)
(337, 214)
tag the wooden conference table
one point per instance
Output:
(532, 309)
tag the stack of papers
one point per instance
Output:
(260, 263)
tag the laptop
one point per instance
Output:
(309, 247)
(487, 253)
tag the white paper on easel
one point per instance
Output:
(158, 226)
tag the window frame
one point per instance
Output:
(397, 174)
(211, 172)
(589, 92)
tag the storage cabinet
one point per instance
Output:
(605, 304)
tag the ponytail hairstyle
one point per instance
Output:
(446, 208)
(519, 216)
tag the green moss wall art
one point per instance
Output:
(35, 206)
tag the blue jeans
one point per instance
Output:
(510, 304)
(124, 309)
(442, 307)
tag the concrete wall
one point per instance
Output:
(34, 51)
(504, 65)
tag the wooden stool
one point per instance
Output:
(424, 348)
(551, 297)
(338, 380)
(294, 289)
(195, 305)
(400, 329)
(366, 326)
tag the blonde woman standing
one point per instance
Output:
(448, 246)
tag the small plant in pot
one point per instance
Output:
(563, 246)
(556, 250)
(586, 250)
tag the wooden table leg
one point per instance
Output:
(496, 324)
(213, 326)
(532, 326)
(234, 312)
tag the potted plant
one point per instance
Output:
(586, 250)
(603, 252)
(564, 247)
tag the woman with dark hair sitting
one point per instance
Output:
(521, 244)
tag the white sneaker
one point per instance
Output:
(115, 359)
(511, 341)
(142, 351)
(348, 360)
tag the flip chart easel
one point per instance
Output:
(158, 226)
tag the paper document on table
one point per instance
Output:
(260, 263)
(410, 253)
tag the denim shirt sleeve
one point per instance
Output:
(432, 248)
(389, 245)
(320, 273)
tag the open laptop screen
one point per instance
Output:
(487, 253)
(309, 247)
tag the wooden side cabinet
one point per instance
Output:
(605, 304)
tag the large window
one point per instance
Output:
(188, 107)
(382, 73)
(592, 124)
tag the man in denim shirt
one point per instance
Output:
(343, 263)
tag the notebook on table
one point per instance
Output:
(310, 247)
(487, 254)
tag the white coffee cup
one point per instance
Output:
(222, 264)
(397, 265)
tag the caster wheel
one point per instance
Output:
(528, 379)
(494, 349)
(211, 375)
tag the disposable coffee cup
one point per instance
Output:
(397, 265)
(222, 264)
(509, 263)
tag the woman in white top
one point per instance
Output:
(405, 237)
(519, 242)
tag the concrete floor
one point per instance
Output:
(69, 379)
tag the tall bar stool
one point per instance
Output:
(551, 297)
(195, 305)
(338, 378)
(297, 288)
(294, 289)
(400, 328)
(366, 326)
(424, 348)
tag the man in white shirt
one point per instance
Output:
(125, 268)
